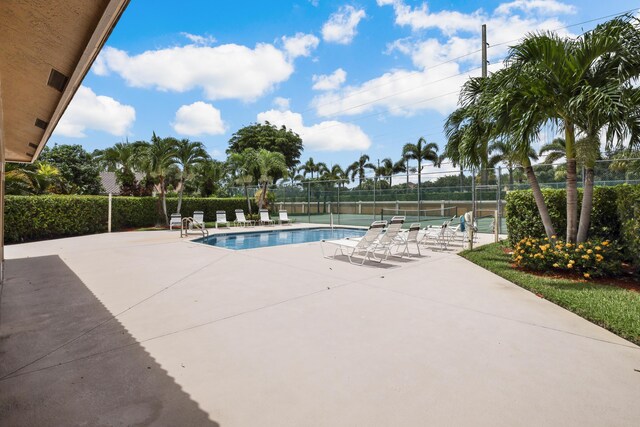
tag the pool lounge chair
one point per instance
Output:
(390, 237)
(198, 220)
(411, 236)
(241, 220)
(365, 246)
(221, 218)
(175, 221)
(284, 218)
(264, 218)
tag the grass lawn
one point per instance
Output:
(612, 307)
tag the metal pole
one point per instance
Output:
(374, 197)
(419, 179)
(339, 184)
(309, 201)
(499, 207)
(473, 207)
(484, 50)
(109, 215)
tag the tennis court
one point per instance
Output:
(426, 217)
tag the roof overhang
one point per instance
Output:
(46, 49)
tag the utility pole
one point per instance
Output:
(484, 50)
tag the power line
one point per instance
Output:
(417, 72)
(404, 91)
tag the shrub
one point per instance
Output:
(47, 217)
(615, 216)
(628, 211)
(594, 258)
(29, 218)
(523, 219)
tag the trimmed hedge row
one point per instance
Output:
(615, 215)
(29, 218)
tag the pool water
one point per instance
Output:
(261, 239)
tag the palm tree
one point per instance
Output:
(269, 164)
(555, 150)
(501, 152)
(208, 175)
(402, 165)
(36, 178)
(358, 168)
(242, 166)
(187, 155)
(571, 80)
(387, 168)
(421, 151)
(157, 158)
(492, 108)
(311, 167)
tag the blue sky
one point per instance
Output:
(349, 77)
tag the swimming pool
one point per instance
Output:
(261, 239)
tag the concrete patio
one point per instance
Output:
(144, 328)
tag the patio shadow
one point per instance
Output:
(54, 373)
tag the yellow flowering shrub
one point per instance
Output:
(594, 258)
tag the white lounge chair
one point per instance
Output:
(365, 246)
(198, 220)
(436, 235)
(284, 218)
(175, 221)
(390, 237)
(264, 217)
(411, 236)
(241, 220)
(221, 218)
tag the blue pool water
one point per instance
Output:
(261, 239)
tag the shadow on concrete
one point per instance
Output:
(52, 372)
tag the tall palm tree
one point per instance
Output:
(501, 152)
(402, 165)
(359, 167)
(242, 166)
(421, 151)
(269, 164)
(187, 155)
(157, 158)
(568, 79)
(388, 168)
(492, 108)
(311, 167)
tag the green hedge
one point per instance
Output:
(29, 218)
(615, 215)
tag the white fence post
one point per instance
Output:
(109, 215)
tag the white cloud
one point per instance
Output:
(200, 40)
(281, 103)
(227, 71)
(325, 136)
(442, 65)
(341, 26)
(300, 45)
(329, 82)
(542, 6)
(96, 112)
(198, 119)
(451, 22)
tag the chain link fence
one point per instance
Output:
(436, 196)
